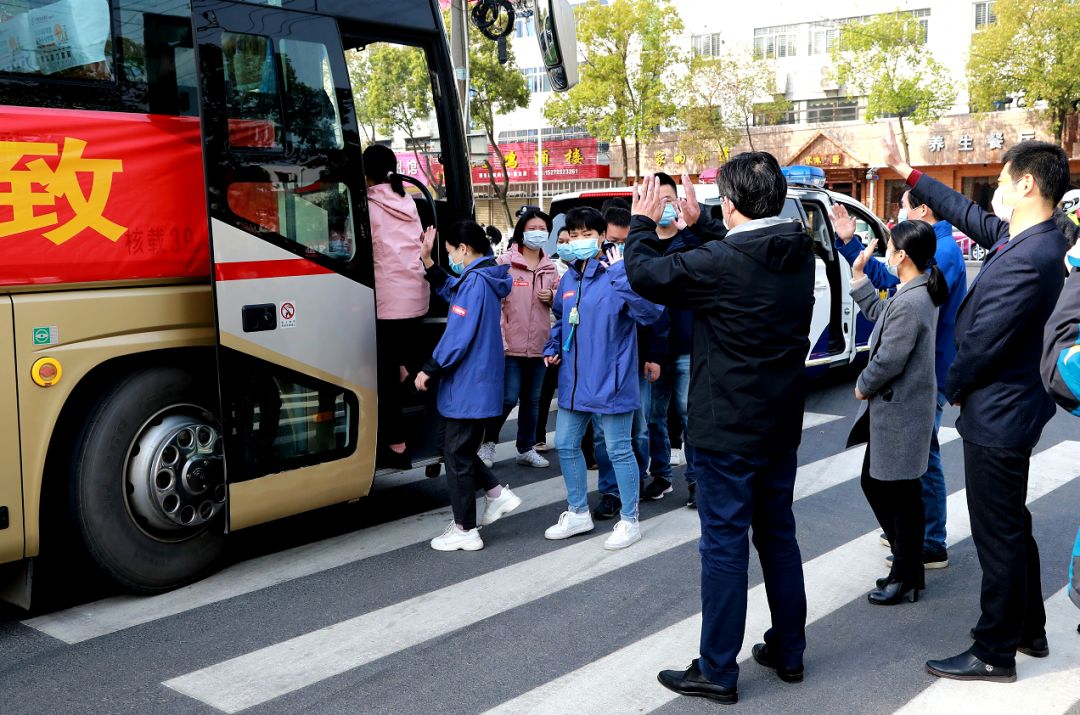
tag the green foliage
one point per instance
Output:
(721, 96)
(886, 59)
(626, 87)
(1033, 49)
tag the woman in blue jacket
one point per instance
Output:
(594, 343)
(469, 364)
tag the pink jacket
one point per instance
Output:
(526, 322)
(400, 288)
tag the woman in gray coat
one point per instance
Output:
(899, 389)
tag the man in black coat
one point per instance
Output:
(752, 293)
(996, 383)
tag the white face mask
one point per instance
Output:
(901, 215)
(998, 206)
(893, 270)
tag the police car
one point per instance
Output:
(838, 332)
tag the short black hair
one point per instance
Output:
(614, 203)
(616, 216)
(1047, 163)
(915, 201)
(753, 182)
(666, 180)
(585, 218)
(471, 234)
(524, 217)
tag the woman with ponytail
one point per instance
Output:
(899, 389)
(401, 292)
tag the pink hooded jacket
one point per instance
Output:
(526, 322)
(400, 289)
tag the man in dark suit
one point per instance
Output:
(995, 381)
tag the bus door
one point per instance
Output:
(292, 276)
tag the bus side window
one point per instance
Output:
(251, 91)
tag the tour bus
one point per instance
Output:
(839, 333)
(186, 271)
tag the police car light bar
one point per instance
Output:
(804, 176)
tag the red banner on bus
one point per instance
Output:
(100, 196)
(562, 159)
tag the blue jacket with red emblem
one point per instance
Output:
(599, 369)
(469, 358)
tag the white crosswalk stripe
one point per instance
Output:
(80, 623)
(296, 663)
(628, 676)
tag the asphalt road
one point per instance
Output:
(349, 610)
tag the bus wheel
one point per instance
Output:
(148, 490)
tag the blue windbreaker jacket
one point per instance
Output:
(599, 368)
(950, 260)
(469, 358)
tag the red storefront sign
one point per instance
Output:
(100, 196)
(563, 159)
(419, 166)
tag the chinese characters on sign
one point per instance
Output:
(824, 160)
(966, 142)
(560, 159)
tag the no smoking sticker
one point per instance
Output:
(287, 314)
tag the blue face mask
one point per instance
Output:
(668, 216)
(893, 270)
(456, 267)
(534, 239)
(579, 249)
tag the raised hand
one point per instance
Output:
(612, 257)
(893, 158)
(843, 223)
(857, 267)
(427, 245)
(688, 207)
(647, 201)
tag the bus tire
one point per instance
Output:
(156, 419)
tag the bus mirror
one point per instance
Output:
(558, 42)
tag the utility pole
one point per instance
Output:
(459, 55)
(540, 165)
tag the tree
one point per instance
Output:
(886, 59)
(359, 67)
(1033, 49)
(723, 94)
(626, 89)
(397, 97)
(495, 89)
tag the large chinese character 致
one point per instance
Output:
(996, 140)
(936, 143)
(965, 143)
(63, 182)
(511, 160)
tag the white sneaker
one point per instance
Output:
(532, 459)
(624, 534)
(454, 539)
(570, 524)
(486, 453)
(500, 506)
(677, 459)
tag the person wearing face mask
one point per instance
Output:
(551, 374)
(469, 364)
(950, 261)
(595, 346)
(526, 324)
(898, 387)
(996, 383)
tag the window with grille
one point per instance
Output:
(775, 42)
(984, 14)
(706, 45)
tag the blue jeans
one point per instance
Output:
(933, 489)
(674, 382)
(569, 429)
(608, 483)
(522, 382)
(735, 492)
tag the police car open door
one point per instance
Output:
(291, 259)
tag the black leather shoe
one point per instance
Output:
(892, 593)
(1037, 648)
(692, 682)
(691, 501)
(656, 489)
(764, 657)
(609, 506)
(968, 667)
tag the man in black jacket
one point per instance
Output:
(752, 294)
(995, 381)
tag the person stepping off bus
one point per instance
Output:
(594, 343)
(469, 364)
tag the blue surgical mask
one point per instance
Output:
(534, 239)
(456, 267)
(901, 215)
(893, 270)
(579, 249)
(668, 216)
